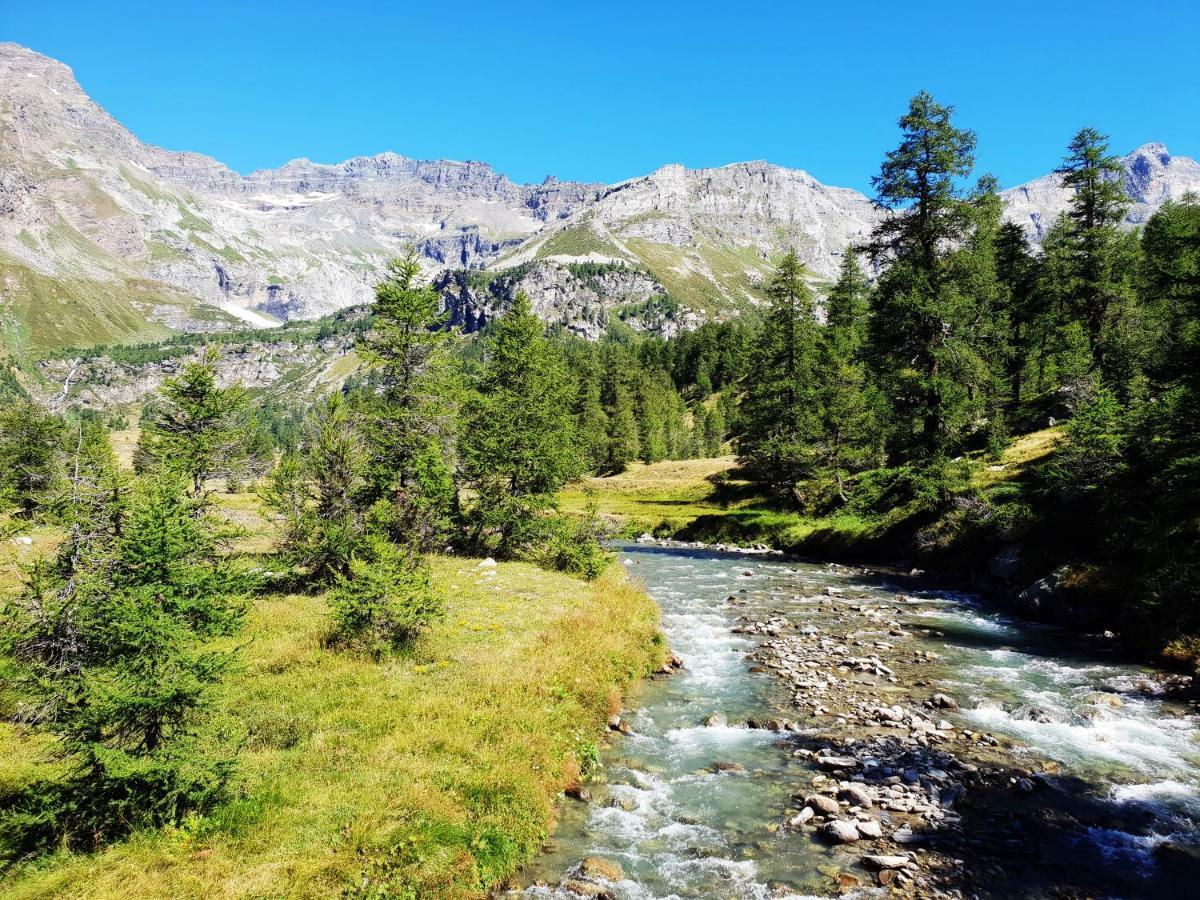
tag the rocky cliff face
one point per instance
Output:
(584, 299)
(104, 238)
(81, 197)
(1151, 177)
(287, 369)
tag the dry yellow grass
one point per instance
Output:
(430, 774)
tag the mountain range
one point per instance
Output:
(104, 238)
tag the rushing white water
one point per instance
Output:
(682, 827)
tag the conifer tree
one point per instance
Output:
(1094, 279)
(920, 311)
(778, 411)
(31, 456)
(518, 438)
(411, 417)
(195, 427)
(111, 643)
(1017, 270)
(322, 493)
(623, 445)
(849, 435)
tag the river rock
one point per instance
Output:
(943, 701)
(870, 829)
(587, 889)
(837, 762)
(802, 817)
(822, 804)
(884, 861)
(857, 795)
(841, 832)
(595, 867)
(715, 720)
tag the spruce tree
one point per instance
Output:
(778, 412)
(518, 437)
(411, 415)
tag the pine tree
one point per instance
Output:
(778, 409)
(849, 434)
(31, 456)
(920, 312)
(518, 439)
(1094, 278)
(411, 417)
(111, 643)
(195, 427)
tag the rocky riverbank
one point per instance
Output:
(923, 805)
(890, 775)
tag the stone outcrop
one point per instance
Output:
(583, 299)
(82, 198)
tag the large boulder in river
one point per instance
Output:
(1040, 598)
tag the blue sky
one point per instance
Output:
(610, 90)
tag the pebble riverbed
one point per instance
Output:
(836, 731)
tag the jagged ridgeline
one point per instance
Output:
(105, 239)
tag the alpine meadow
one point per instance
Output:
(393, 529)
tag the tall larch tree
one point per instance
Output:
(411, 412)
(919, 309)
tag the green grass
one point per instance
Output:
(710, 278)
(706, 500)
(432, 774)
(665, 495)
(579, 241)
(67, 312)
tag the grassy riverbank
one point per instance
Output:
(707, 499)
(997, 527)
(431, 774)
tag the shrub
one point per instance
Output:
(573, 546)
(386, 599)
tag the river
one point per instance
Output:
(1055, 767)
